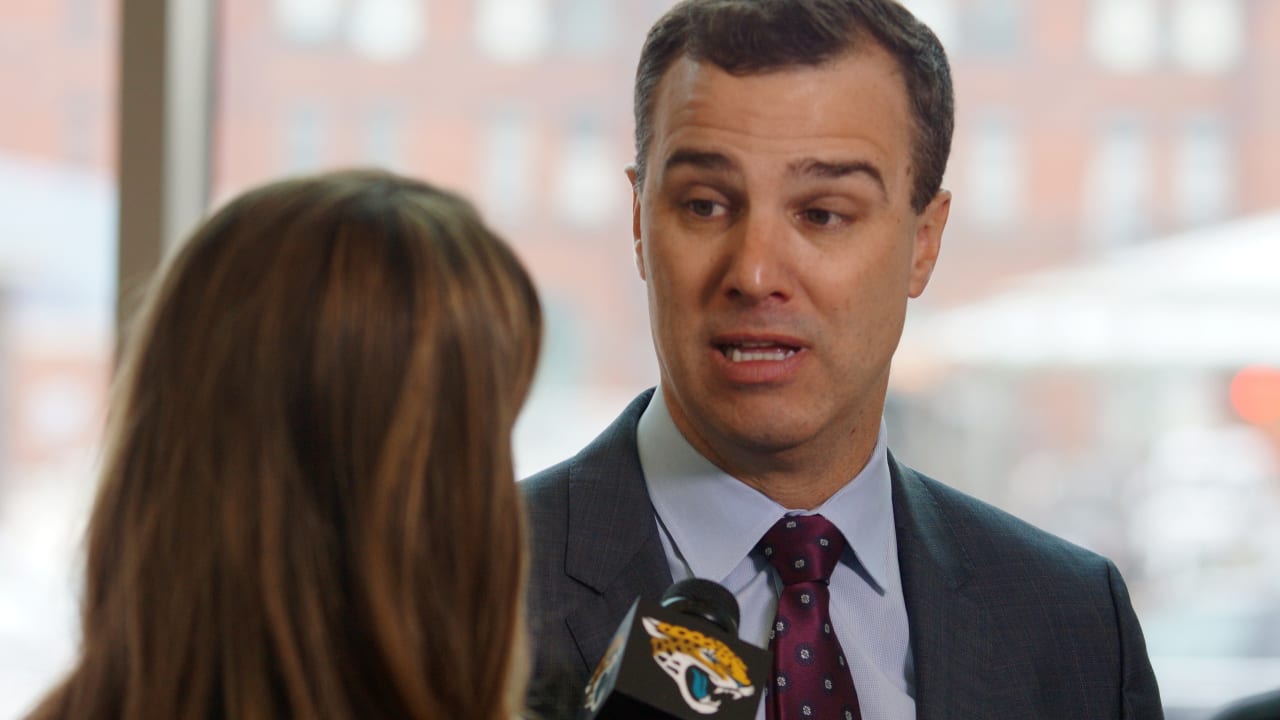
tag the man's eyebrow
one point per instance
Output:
(831, 170)
(700, 159)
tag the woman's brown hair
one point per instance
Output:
(307, 506)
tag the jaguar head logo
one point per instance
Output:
(705, 670)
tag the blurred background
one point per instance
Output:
(1099, 351)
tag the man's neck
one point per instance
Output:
(802, 483)
(798, 478)
(799, 474)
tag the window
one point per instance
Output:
(589, 176)
(382, 136)
(996, 173)
(1203, 172)
(587, 27)
(306, 137)
(308, 22)
(1124, 35)
(993, 27)
(1207, 36)
(508, 147)
(379, 30)
(386, 30)
(1116, 185)
(512, 31)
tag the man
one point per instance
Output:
(787, 203)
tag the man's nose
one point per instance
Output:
(758, 265)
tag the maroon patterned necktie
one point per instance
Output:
(811, 678)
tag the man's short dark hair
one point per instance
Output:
(746, 37)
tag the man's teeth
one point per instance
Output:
(754, 353)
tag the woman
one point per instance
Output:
(307, 507)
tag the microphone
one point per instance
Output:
(679, 659)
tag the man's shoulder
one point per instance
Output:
(612, 451)
(547, 486)
(997, 588)
(985, 537)
(593, 494)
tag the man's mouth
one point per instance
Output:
(756, 351)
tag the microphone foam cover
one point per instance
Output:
(705, 599)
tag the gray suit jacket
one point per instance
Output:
(1006, 620)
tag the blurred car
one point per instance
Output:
(1210, 653)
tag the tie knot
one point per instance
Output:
(803, 548)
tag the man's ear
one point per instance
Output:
(636, 242)
(927, 242)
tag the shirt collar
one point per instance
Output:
(714, 521)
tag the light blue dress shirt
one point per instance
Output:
(709, 523)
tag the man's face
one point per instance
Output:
(775, 234)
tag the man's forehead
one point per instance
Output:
(829, 117)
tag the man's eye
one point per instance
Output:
(704, 208)
(818, 216)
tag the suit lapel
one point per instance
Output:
(613, 546)
(950, 633)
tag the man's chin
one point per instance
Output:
(755, 433)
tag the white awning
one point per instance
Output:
(1208, 298)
